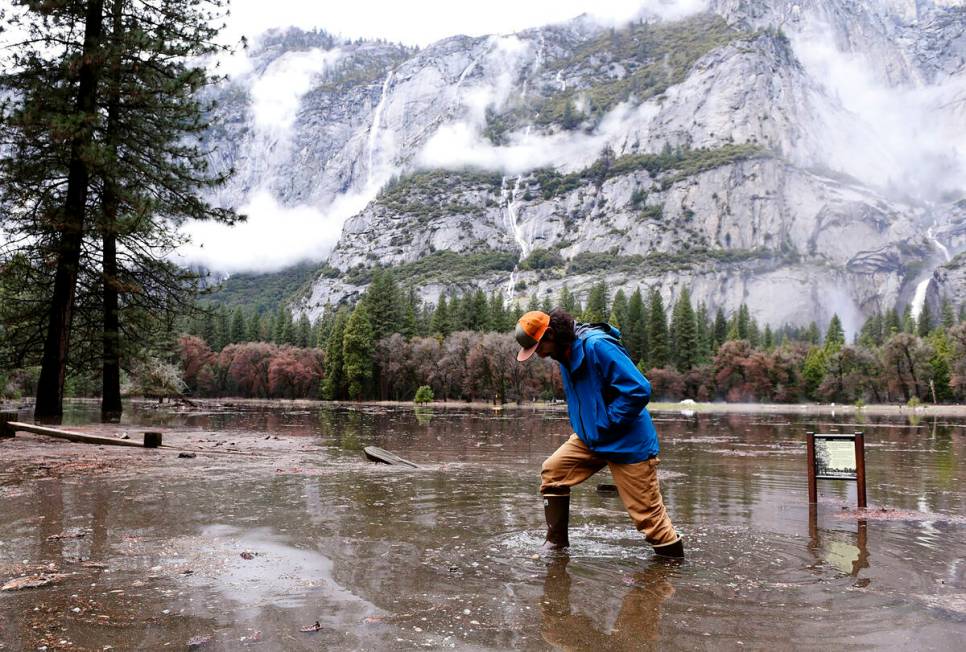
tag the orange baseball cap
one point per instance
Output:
(530, 328)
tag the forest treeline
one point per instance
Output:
(390, 344)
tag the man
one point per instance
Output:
(606, 399)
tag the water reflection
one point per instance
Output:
(442, 556)
(828, 546)
(638, 622)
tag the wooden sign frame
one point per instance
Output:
(814, 476)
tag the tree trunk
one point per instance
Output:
(111, 372)
(111, 369)
(50, 387)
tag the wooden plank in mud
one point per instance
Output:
(381, 455)
(72, 436)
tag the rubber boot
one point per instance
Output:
(673, 550)
(557, 511)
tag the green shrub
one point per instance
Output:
(424, 394)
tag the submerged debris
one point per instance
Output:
(198, 641)
(79, 533)
(32, 581)
(312, 628)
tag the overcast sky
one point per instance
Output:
(420, 22)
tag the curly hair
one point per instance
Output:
(562, 325)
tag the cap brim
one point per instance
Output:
(524, 354)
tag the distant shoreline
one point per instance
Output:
(957, 410)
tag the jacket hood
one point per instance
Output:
(581, 329)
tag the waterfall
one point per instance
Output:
(512, 218)
(374, 129)
(940, 246)
(561, 81)
(919, 297)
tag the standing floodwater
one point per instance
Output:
(251, 542)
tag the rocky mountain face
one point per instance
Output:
(752, 153)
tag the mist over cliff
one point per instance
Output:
(803, 158)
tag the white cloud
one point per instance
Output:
(273, 237)
(278, 90)
(909, 138)
(461, 144)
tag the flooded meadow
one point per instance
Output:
(264, 527)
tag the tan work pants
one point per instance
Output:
(637, 485)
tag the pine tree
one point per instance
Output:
(357, 345)
(534, 304)
(744, 323)
(497, 314)
(892, 324)
(546, 305)
(754, 333)
(334, 385)
(596, 310)
(812, 335)
(441, 323)
(477, 315)
(657, 332)
(924, 324)
(410, 324)
(684, 333)
(253, 327)
(222, 328)
(71, 105)
(704, 334)
(618, 310)
(948, 317)
(769, 338)
(303, 331)
(634, 331)
(720, 328)
(871, 333)
(384, 304)
(908, 323)
(834, 335)
(118, 114)
(236, 332)
(568, 301)
(813, 370)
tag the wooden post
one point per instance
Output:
(7, 430)
(810, 457)
(152, 439)
(860, 469)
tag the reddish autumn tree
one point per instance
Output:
(197, 365)
(294, 372)
(246, 368)
(698, 383)
(394, 368)
(730, 370)
(667, 384)
(451, 367)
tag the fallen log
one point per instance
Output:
(382, 456)
(151, 439)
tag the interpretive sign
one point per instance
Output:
(836, 457)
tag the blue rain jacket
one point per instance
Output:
(606, 395)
